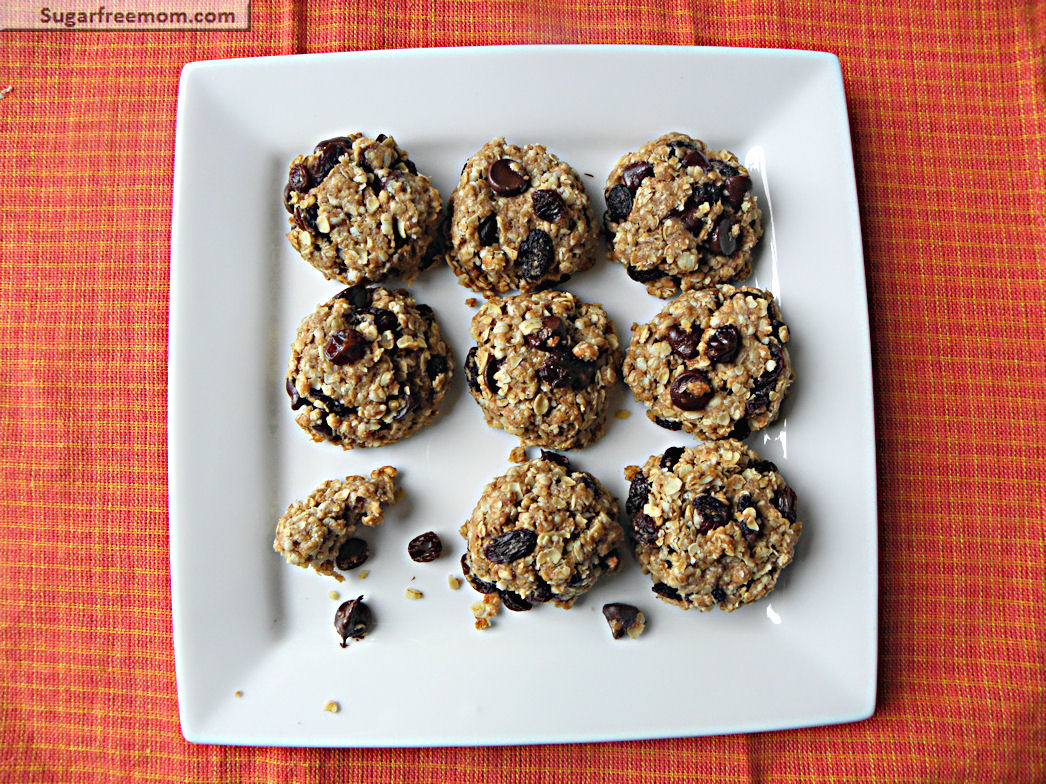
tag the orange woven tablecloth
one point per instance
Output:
(948, 114)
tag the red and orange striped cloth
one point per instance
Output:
(948, 109)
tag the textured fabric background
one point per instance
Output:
(949, 125)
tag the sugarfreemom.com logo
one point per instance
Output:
(133, 15)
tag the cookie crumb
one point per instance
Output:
(413, 593)
(333, 595)
(518, 455)
(237, 693)
(363, 575)
(453, 582)
(623, 414)
(624, 619)
(471, 302)
(486, 609)
(332, 707)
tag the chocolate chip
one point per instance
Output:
(724, 344)
(507, 177)
(763, 466)
(358, 296)
(299, 179)
(620, 617)
(785, 502)
(619, 203)
(555, 457)
(510, 546)
(384, 320)
(671, 457)
(719, 594)
(541, 594)
(644, 529)
(480, 585)
(353, 619)
(691, 391)
(425, 547)
(345, 346)
(694, 220)
(736, 187)
(668, 424)
(635, 173)
(548, 205)
(695, 157)
(489, 370)
(549, 336)
(722, 240)
(667, 591)
(683, 342)
(488, 230)
(323, 429)
(637, 494)
(297, 401)
(513, 601)
(536, 255)
(709, 513)
(354, 552)
(644, 276)
(471, 370)
(437, 366)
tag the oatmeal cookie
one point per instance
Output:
(542, 532)
(714, 362)
(713, 524)
(360, 212)
(519, 219)
(312, 532)
(543, 367)
(368, 368)
(681, 216)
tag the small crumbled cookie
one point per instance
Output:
(368, 368)
(713, 362)
(312, 532)
(681, 216)
(542, 532)
(543, 367)
(519, 219)
(713, 524)
(360, 211)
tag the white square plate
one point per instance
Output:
(245, 621)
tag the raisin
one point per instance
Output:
(297, 401)
(553, 373)
(471, 370)
(541, 594)
(637, 494)
(437, 366)
(691, 391)
(299, 179)
(725, 170)
(384, 320)
(588, 481)
(619, 203)
(489, 370)
(329, 152)
(741, 430)
(425, 547)
(510, 546)
(353, 619)
(709, 513)
(480, 585)
(548, 205)
(644, 529)
(671, 457)
(668, 424)
(724, 344)
(354, 552)
(763, 466)
(536, 255)
(513, 601)
(667, 591)
(719, 594)
(736, 187)
(305, 219)
(784, 501)
(488, 230)
(611, 561)
(345, 346)
(644, 276)
(683, 342)
(555, 457)
(550, 335)
(358, 296)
